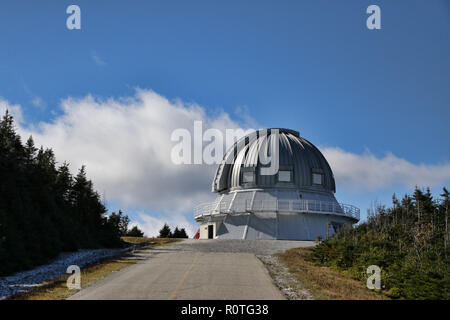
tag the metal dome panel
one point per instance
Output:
(295, 154)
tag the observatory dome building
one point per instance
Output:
(295, 203)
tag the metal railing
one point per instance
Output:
(316, 206)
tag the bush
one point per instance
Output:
(165, 232)
(409, 242)
(135, 232)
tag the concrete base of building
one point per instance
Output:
(275, 225)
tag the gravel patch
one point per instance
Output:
(23, 281)
(258, 247)
(288, 285)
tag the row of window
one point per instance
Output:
(283, 176)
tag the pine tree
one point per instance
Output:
(30, 151)
(176, 233)
(407, 241)
(183, 233)
(63, 183)
(444, 214)
(179, 233)
(165, 232)
(43, 209)
(119, 222)
(135, 232)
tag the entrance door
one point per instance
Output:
(210, 231)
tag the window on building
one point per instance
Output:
(317, 178)
(248, 177)
(284, 176)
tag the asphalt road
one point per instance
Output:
(195, 269)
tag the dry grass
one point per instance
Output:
(323, 282)
(144, 240)
(57, 289)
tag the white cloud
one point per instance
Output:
(35, 100)
(38, 102)
(125, 144)
(151, 224)
(367, 172)
(14, 109)
(99, 61)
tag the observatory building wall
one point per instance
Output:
(283, 226)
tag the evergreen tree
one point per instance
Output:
(165, 232)
(135, 232)
(408, 241)
(43, 209)
(30, 152)
(183, 233)
(176, 233)
(179, 233)
(63, 183)
(119, 222)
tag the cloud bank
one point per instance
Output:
(126, 146)
(366, 172)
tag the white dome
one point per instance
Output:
(297, 157)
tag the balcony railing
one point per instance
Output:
(237, 207)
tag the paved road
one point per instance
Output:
(195, 269)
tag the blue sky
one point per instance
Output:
(309, 65)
